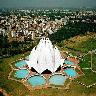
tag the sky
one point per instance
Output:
(47, 3)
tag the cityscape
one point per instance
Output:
(47, 50)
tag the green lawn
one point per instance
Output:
(17, 89)
(10, 86)
(94, 61)
(89, 77)
(85, 61)
(88, 45)
(81, 43)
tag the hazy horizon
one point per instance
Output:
(47, 3)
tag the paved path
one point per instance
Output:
(89, 86)
(68, 85)
(86, 68)
(23, 81)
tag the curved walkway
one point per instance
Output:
(88, 86)
(23, 81)
(26, 84)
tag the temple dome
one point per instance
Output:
(45, 56)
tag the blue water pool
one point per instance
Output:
(21, 73)
(57, 79)
(36, 81)
(68, 62)
(20, 64)
(70, 72)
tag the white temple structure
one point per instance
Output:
(45, 56)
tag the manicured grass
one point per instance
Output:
(85, 61)
(75, 90)
(94, 61)
(88, 45)
(79, 90)
(89, 77)
(12, 87)
(84, 46)
(81, 43)
(17, 89)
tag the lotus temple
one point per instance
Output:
(45, 66)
